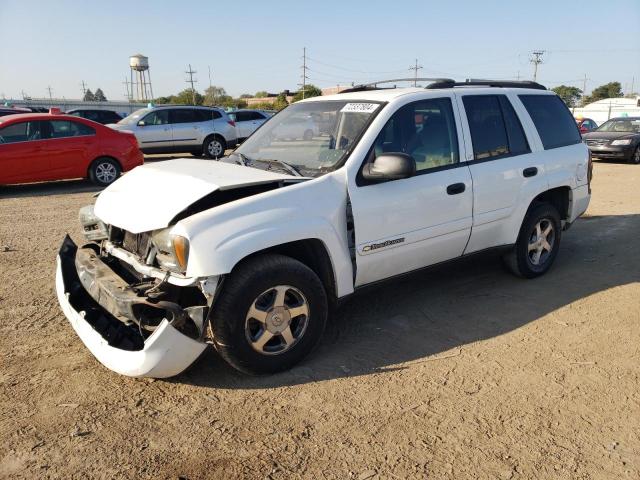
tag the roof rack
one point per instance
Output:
(374, 85)
(475, 82)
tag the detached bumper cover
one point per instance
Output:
(165, 353)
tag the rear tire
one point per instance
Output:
(538, 242)
(104, 171)
(214, 147)
(270, 314)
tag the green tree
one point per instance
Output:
(246, 95)
(186, 97)
(281, 102)
(213, 94)
(163, 100)
(309, 91)
(608, 90)
(569, 95)
(88, 96)
(99, 96)
(261, 94)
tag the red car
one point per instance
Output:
(36, 147)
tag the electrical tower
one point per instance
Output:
(415, 69)
(304, 72)
(536, 59)
(191, 81)
(84, 88)
(49, 90)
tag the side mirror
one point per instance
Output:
(390, 166)
(141, 123)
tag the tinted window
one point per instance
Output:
(488, 131)
(109, 117)
(426, 130)
(206, 115)
(159, 117)
(65, 128)
(243, 116)
(184, 115)
(515, 133)
(21, 132)
(552, 119)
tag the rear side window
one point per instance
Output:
(488, 132)
(206, 115)
(64, 128)
(184, 115)
(555, 124)
(517, 140)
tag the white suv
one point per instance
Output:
(199, 130)
(249, 254)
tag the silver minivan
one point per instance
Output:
(199, 130)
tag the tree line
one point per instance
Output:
(574, 96)
(217, 96)
(89, 96)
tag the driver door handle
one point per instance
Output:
(456, 188)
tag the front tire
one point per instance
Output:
(538, 242)
(104, 171)
(214, 147)
(270, 314)
(635, 158)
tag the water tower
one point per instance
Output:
(140, 78)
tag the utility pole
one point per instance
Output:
(191, 72)
(518, 75)
(415, 69)
(536, 59)
(304, 72)
(633, 82)
(213, 93)
(49, 89)
(84, 88)
(126, 89)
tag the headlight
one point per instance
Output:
(173, 250)
(621, 142)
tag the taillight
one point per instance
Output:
(232, 123)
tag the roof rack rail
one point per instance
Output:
(475, 82)
(374, 85)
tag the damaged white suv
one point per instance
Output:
(249, 254)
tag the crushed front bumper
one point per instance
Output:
(164, 353)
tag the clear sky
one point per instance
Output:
(257, 45)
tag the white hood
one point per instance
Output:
(150, 196)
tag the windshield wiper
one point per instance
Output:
(289, 168)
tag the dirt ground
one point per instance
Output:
(460, 372)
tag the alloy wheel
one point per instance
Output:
(541, 242)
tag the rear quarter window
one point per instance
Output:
(555, 124)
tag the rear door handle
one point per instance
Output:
(456, 188)
(530, 172)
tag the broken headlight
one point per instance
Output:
(93, 228)
(172, 250)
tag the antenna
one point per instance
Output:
(536, 59)
(304, 71)
(190, 80)
(415, 72)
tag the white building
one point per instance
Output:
(603, 110)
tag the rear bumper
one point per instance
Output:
(164, 353)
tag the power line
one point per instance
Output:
(536, 59)
(191, 81)
(415, 72)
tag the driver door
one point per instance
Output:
(156, 133)
(403, 225)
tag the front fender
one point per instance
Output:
(221, 237)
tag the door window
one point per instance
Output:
(243, 116)
(65, 128)
(426, 130)
(160, 117)
(184, 115)
(21, 132)
(488, 131)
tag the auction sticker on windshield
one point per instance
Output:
(360, 107)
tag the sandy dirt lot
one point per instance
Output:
(460, 372)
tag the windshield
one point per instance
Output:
(312, 137)
(628, 125)
(134, 117)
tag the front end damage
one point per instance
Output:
(135, 323)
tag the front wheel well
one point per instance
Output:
(313, 253)
(559, 197)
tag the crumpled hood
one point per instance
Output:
(150, 196)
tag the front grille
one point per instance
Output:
(138, 243)
(597, 143)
